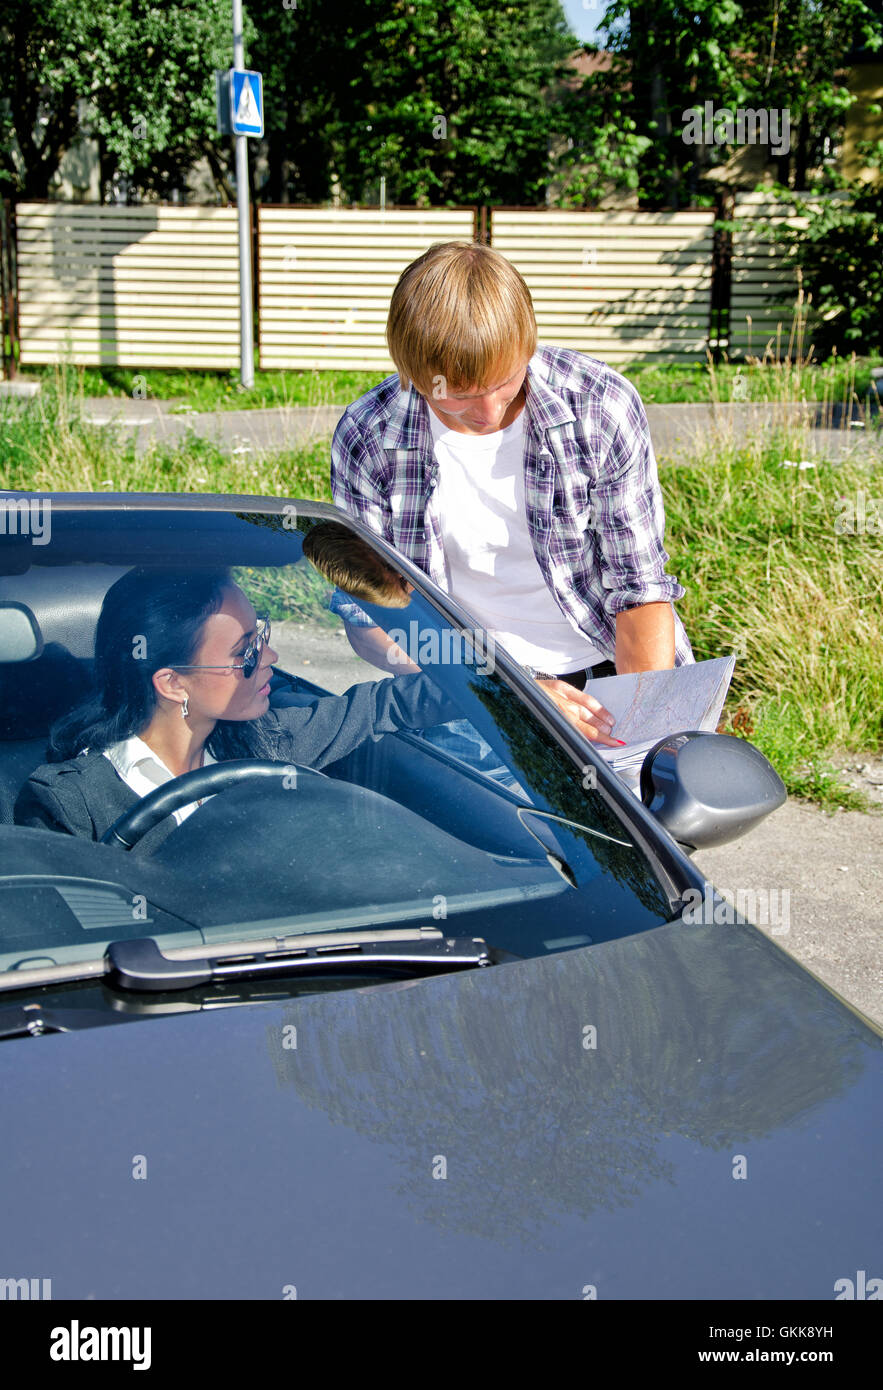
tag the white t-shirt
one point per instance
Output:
(491, 566)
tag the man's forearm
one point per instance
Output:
(373, 645)
(645, 638)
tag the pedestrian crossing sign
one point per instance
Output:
(246, 102)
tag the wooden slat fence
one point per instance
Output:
(618, 285)
(326, 275)
(158, 285)
(145, 286)
(764, 290)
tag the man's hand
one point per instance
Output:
(591, 718)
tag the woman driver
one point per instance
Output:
(182, 672)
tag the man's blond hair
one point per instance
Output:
(348, 562)
(460, 319)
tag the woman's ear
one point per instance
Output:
(168, 685)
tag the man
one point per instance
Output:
(520, 478)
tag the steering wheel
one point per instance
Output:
(129, 828)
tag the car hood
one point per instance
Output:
(681, 1114)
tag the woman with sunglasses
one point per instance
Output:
(182, 679)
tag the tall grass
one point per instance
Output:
(770, 372)
(48, 443)
(783, 370)
(772, 574)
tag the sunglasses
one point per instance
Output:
(250, 657)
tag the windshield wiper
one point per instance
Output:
(139, 964)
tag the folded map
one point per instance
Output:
(648, 705)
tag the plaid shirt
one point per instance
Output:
(594, 508)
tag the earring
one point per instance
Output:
(185, 708)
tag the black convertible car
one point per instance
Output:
(429, 1021)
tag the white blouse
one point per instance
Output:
(143, 771)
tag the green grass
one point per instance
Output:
(295, 592)
(753, 542)
(46, 444)
(202, 391)
(837, 380)
(768, 576)
(834, 381)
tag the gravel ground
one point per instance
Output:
(832, 867)
(825, 869)
(321, 655)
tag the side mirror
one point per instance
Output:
(709, 788)
(20, 638)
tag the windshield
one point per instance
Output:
(437, 799)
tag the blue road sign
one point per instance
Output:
(246, 102)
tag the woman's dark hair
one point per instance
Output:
(150, 619)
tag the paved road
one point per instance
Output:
(831, 867)
(676, 430)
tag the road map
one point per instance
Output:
(648, 705)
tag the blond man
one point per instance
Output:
(519, 477)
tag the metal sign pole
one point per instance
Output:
(246, 337)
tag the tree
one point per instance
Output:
(142, 72)
(840, 254)
(447, 99)
(307, 67)
(785, 56)
(626, 118)
(799, 50)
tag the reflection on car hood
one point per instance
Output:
(685, 1113)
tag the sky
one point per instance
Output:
(584, 16)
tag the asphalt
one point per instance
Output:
(676, 430)
(831, 866)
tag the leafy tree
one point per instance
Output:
(840, 254)
(447, 98)
(307, 67)
(781, 55)
(798, 58)
(145, 70)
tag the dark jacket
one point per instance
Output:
(85, 795)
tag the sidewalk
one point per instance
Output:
(271, 430)
(676, 430)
